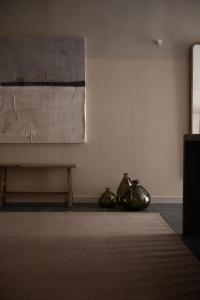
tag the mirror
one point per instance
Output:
(195, 105)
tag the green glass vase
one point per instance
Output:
(124, 185)
(108, 199)
(136, 197)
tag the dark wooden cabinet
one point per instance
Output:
(191, 185)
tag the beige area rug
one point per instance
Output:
(94, 256)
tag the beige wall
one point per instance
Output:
(137, 92)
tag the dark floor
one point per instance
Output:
(171, 213)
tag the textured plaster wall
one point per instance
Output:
(137, 92)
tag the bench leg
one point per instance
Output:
(1, 186)
(3, 181)
(69, 187)
(4, 185)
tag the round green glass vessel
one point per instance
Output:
(136, 197)
(124, 185)
(108, 199)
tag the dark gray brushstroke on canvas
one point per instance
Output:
(42, 60)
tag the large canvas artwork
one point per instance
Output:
(42, 92)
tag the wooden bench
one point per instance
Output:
(4, 174)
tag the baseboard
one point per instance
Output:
(154, 199)
(89, 199)
(167, 199)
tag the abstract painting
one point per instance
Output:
(42, 92)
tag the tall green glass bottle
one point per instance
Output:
(124, 185)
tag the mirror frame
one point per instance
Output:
(192, 89)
